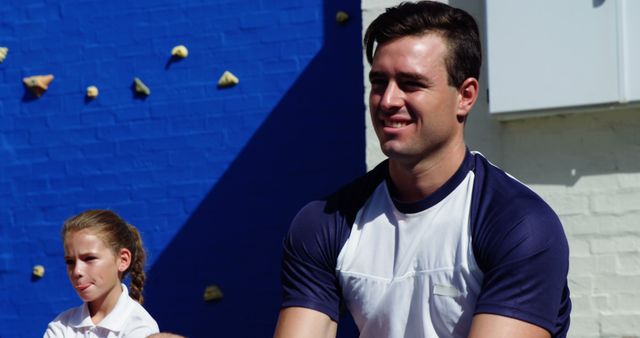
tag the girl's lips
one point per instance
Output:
(82, 287)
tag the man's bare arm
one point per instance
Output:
(495, 326)
(298, 322)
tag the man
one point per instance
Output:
(435, 241)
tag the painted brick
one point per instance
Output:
(155, 159)
(627, 181)
(581, 285)
(57, 214)
(129, 209)
(615, 224)
(627, 325)
(17, 138)
(616, 284)
(617, 203)
(581, 306)
(49, 168)
(590, 265)
(604, 302)
(615, 244)
(258, 20)
(606, 265)
(565, 204)
(32, 155)
(63, 153)
(628, 302)
(629, 264)
(584, 327)
(581, 225)
(102, 149)
(579, 247)
(63, 121)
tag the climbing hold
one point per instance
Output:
(212, 292)
(3, 53)
(92, 92)
(180, 51)
(38, 271)
(342, 17)
(38, 84)
(228, 80)
(141, 88)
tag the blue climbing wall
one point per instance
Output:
(211, 177)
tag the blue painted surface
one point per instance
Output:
(211, 177)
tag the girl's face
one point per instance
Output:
(93, 269)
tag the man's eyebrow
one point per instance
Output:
(376, 74)
(413, 77)
(402, 76)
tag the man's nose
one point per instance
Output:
(392, 98)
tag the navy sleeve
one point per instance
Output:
(520, 246)
(311, 250)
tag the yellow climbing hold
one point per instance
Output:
(3, 53)
(92, 92)
(180, 51)
(342, 17)
(228, 80)
(141, 88)
(38, 271)
(212, 292)
(38, 84)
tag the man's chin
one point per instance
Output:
(392, 150)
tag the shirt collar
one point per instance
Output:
(438, 195)
(114, 321)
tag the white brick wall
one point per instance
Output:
(587, 167)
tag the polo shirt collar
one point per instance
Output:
(114, 321)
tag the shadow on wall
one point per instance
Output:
(234, 237)
(561, 149)
(554, 150)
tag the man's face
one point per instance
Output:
(413, 109)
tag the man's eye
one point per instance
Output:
(412, 85)
(378, 83)
(69, 261)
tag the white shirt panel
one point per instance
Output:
(127, 319)
(411, 275)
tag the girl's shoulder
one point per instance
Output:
(65, 323)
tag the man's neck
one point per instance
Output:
(414, 181)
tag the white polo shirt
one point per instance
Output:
(127, 319)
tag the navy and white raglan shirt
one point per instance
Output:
(481, 243)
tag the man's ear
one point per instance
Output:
(467, 94)
(124, 259)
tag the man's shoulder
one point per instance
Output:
(326, 223)
(506, 214)
(497, 189)
(351, 197)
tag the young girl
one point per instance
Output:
(100, 249)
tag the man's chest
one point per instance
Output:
(396, 266)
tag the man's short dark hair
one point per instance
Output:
(457, 27)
